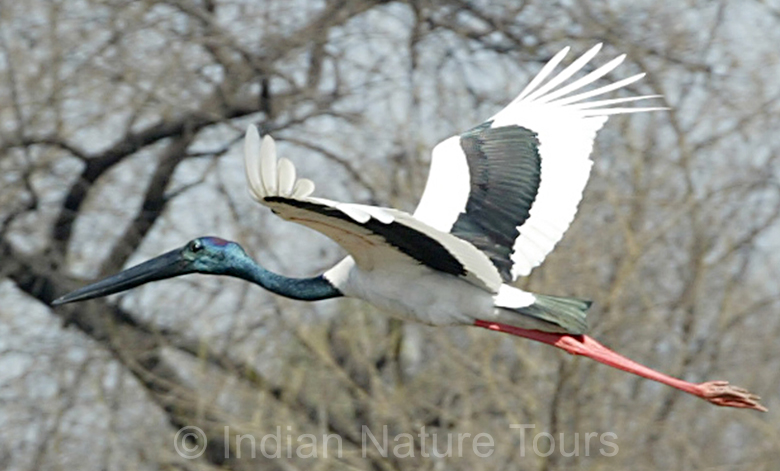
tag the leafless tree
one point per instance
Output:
(120, 125)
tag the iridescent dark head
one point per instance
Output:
(210, 255)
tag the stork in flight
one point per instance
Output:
(498, 199)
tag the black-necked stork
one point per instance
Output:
(498, 199)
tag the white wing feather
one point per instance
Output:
(268, 176)
(566, 126)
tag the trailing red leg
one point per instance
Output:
(720, 393)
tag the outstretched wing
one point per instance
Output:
(511, 186)
(373, 236)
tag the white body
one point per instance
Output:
(420, 294)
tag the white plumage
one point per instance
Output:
(566, 128)
(498, 199)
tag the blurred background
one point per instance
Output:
(121, 125)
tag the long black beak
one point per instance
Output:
(165, 266)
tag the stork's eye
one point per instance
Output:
(196, 246)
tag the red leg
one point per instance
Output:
(720, 393)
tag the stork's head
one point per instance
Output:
(210, 255)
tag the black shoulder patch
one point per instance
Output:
(407, 240)
(505, 171)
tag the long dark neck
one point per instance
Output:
(304, 289)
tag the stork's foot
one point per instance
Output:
(721, 393)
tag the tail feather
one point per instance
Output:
(568, 313)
